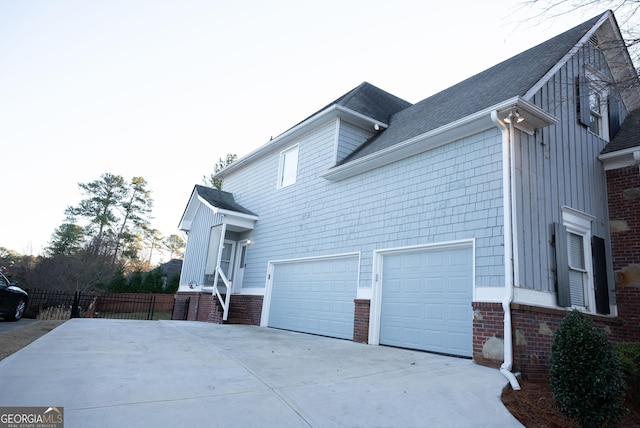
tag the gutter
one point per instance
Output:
(508, 136)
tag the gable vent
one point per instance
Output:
(594, 41)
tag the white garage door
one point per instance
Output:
(426, 300)
(315, 296)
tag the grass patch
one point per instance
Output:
(14, 340)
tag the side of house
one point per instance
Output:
(460, 224)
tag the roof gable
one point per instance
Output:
(365, 104)
(218, 201)
(511, 78)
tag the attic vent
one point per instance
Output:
(594, 41)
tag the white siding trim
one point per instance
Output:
(376, 294)
(530, 297)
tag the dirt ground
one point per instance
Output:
(533, 405)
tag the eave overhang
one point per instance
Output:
(331, 113)
(620, 158)
(534, 118)
(235, 221)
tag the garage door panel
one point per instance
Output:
(426, 300)
(433, 311)
(458, 313)
(315, 296)
(434, 285)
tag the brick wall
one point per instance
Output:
(243, 309)
(361, 321)
(488, 334)
(623, 194)
(533, 329)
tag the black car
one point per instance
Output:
(13, 299)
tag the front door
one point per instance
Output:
(238, 274)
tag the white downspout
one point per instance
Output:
(508, 135)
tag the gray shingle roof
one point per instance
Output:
(510, 78)
(628, 136)
(370, 101)
(220, 199)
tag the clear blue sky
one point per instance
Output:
(162, 89)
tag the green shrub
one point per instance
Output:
(586, 375)
(173, 284)
(629, 355)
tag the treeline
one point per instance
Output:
(144, 282)
(106, 242)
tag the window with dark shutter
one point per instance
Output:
(582, 101)
(562, 265)
(600, 275)
(614, 117)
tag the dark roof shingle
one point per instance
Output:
(220, 199)
(512, 77)
(628, 136)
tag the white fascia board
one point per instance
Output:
(535, 88)
(232, 217)
(620, 158)
(534, 116)
(189, 212)
(330, 113)
(618, 59)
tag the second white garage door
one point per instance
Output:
(315, 296)
(426, 300)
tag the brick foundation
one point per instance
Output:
(533, 329)
(488, 333)
(361, 321)
(243, 309)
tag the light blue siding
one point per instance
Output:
(450, 193)
(349, 138)
(195, 254)
(557, 166)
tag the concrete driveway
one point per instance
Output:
(112, 373)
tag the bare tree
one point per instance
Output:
(626, 12)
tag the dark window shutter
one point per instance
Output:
(582, 100)
(614, 116)
(600, 276)
(562, 265)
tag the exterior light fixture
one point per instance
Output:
(514, 117)
(192, 285)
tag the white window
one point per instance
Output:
(598, 123)
(288, 167)
(578, 275)
(598, 94)
(574, 261)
